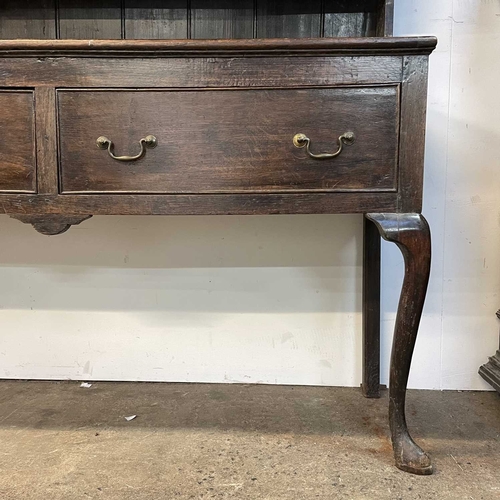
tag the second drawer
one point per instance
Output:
(227, 141)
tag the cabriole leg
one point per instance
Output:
(411, 234)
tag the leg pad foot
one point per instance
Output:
(411, 458)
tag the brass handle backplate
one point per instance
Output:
(146, 142)
(301, 141)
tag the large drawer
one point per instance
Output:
(17, 141)
(228, 140)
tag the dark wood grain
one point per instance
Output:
(290, 19)
(371, 260)
(276, 47)
(259, 72)
(27, 19)
(222, 18)
(371, 310)
(385, 21)
(139, 19)
(156, 19)
(46, 140)
(204, 204)
(84, 19)
(411, 234)
(229, 141)
(351, 18)
(51, 225)
(412, 143)
(17, 141)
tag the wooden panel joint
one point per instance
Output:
(46, 142)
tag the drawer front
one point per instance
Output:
(228, 141)
(17, 142)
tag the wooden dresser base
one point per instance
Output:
(207, 127)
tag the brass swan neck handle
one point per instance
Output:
(146, 142)
(301, 141)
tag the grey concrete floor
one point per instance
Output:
(201, 441)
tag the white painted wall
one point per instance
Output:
(277, 299)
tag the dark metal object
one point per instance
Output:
(490, 371)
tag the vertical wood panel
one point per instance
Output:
(289, 19)
(90, 19)
(46, 143)
(371, 310)
(412, 132)
(385, 22)
(27, 19)
(171, 19)
(156, 19)
(350, 18)
(222, 18)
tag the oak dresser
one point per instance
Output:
(311, 125)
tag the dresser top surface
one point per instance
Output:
(278, 46)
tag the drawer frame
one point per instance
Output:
(51, 64)
(12, 113)
(307, 164)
